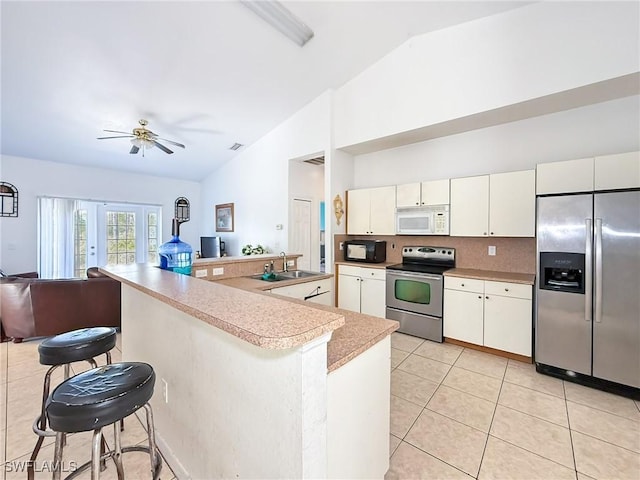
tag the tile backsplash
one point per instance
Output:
(512, 254)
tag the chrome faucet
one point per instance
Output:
(284, 262)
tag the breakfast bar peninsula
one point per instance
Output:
(252, 385)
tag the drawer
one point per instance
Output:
(464, 284)
(373, 273)
(505, 289)
(349, 270)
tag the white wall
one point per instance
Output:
(35, 178)
(526, 53)
(606, 128)
(256, 180)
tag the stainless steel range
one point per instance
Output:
(414, 290)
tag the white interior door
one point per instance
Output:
(300, 240)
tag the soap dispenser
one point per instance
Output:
(175, 255)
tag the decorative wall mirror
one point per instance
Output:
(8, 200)
(183, 210)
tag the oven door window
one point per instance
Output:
(413, 291)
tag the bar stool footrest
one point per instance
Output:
(107, 455)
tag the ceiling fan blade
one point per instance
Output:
(134, 149)
(117, 131)
(172, 142)
(117, 136)
(162, 147)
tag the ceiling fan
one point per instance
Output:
(143, 138)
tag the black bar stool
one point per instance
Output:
(99, 397)
(60, 351)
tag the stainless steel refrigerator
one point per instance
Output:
(588, 286)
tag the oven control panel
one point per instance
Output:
(436, 254)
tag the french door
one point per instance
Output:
(115, 234)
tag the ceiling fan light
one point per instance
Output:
(142, 143)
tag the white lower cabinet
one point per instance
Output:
(493, 314)
(362, 290)
(318, 291)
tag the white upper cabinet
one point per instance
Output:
(434, 192)
(617, 171)
(408, 195)
(512, 204)
(371, 211)
(500, 205)
(565, 177)
(608, 172)
(469, 207)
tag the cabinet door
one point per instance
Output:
(372, 297)
(617, 171)
(435, 192)
(512, 204)
(383, 211)
(358, 212)
(469, 206)
(508, 324)
(349, 292)
(373, 291)
(408, 195)
(565, 177)
(463, 313)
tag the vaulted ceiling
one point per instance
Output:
(205, 74)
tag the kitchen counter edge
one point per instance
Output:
(491, 275)
(271, 323)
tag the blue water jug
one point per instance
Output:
(175, 255)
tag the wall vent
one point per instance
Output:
(316, 161)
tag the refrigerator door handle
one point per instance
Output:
(588, 288)
(598, 272)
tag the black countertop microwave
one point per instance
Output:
(367, 251)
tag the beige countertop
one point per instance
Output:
(358, 333)
(268, 321)
(525, 278)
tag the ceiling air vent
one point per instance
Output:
(236, 146)
(316, 161)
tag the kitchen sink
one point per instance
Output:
(298, 274)
(292, 275)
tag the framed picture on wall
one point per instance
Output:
(224, 217)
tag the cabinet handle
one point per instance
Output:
(487, 298)
(462, 284)
(417, 203)
(506, 289)
(479, 296)
(491, 233)
(484, 233)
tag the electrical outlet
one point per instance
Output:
(218, 271)
(201, 273)
(341, 245)
(279, 226)
(291, 263)
(492, 250)
(165, 391)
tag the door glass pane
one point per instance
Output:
(152, 238)
(121, 238)
(413, 291)
(80, 243)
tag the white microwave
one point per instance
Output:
(426, 220)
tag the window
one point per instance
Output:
(121, 237)
(152, 237)
(80, 243)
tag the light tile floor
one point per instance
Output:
(21, 377)
(457, 413)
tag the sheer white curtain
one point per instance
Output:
(55, 237)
